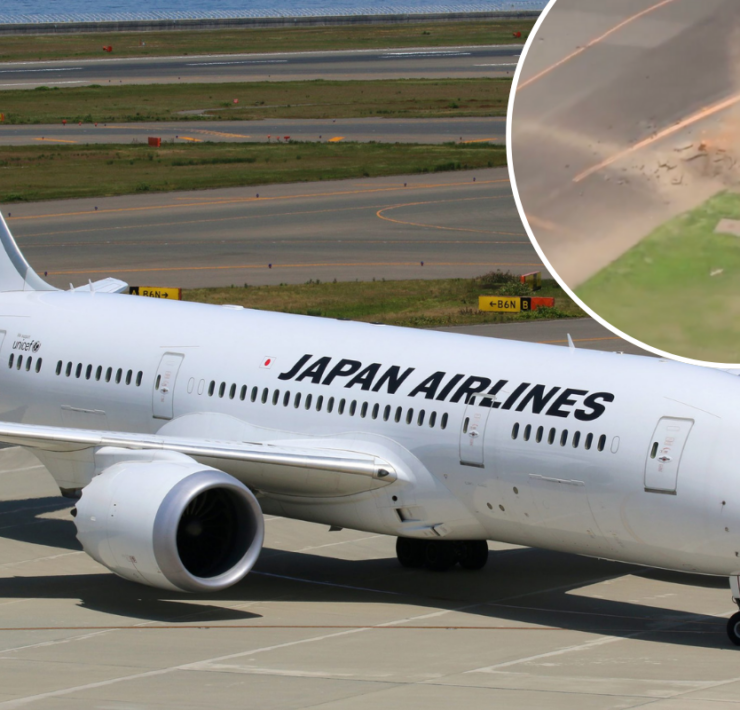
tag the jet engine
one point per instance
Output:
(173, 524)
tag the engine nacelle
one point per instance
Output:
(173, 524)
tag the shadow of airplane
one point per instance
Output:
(523, 585)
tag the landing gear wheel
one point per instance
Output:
(733, 628)
(473, 554)
(440, 555)
(411, 553)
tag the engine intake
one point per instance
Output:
(173, 524)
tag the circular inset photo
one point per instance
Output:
(625, 156)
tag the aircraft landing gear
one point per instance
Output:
(733, 624)
(441, 555)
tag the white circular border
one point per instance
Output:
(533, 239)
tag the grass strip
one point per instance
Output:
(50, 172)
(417, 303)
(263, 40)
(677, 289)
(402, 98)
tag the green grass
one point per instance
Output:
(403, 98)
(48, 172)
(422, 304)
(291, 39)
(662, 291)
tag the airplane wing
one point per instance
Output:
(109, 285)
(269, 467)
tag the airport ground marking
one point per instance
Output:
(54, 140)
(221, 267)
(593, 42)
(238, 200)
(336, 139)
(380, 214)
(188, 138)
(706, 112)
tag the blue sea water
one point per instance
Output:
(87, 11)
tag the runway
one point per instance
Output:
(447, 62)
(386, 130)
(625, 116)
(330, 620)
(442, 225)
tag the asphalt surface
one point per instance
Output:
(448, 62)
(625, 115)
(330, 620)
(386, 130)
(443, 225)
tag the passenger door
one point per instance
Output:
(473, 434)
(164, 385)
(664, 456)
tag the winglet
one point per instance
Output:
(570, 343)
(15, 272)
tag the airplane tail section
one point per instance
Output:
(15, 272)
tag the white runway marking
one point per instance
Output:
(28, 71)
(221, 64)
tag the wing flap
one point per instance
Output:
(68, 440)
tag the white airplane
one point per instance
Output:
(178, 425)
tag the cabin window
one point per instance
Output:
(654, 450)
(275, 397)
(420, 419)
(527, 432)
(129, 375)
(38, 364)
(588, 442)
(108, 374)
(432, 419)
(78, 369)
(10, 360)
(201, 386)
(410, 415)
(363, 410)
(515, 431)
(602, 442)
(540, 432)
(352, 408)
(59, 365)
(308, 400)
(297, 400)
(551, 436)
(68, 371)
(232, 391)
(88, 372)
(222, 389)
(564, 437)
(443, 423)
(139, 375)
(243, 393)
(387, 412)
(615, 445)
(253, 396)
(211, 387)
(341, 406)
(286, 399)
(119, 372)
(98, 373)
(319, 402)
(399, 412)
(576, 439)
(330, 405)
(28, 364)
(465, 425)
(156, 384)
(265, 393)
(376, 410)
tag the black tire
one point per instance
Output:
(733, 628)
(411, 553)
(440, 555)
(473, 554)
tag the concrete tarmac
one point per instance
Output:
(386, 130)
(625, 115)
(442, 225)
(417, 62)
(330, 620)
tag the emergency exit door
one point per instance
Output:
(164, 385)
(664, 456)
(473, 434)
